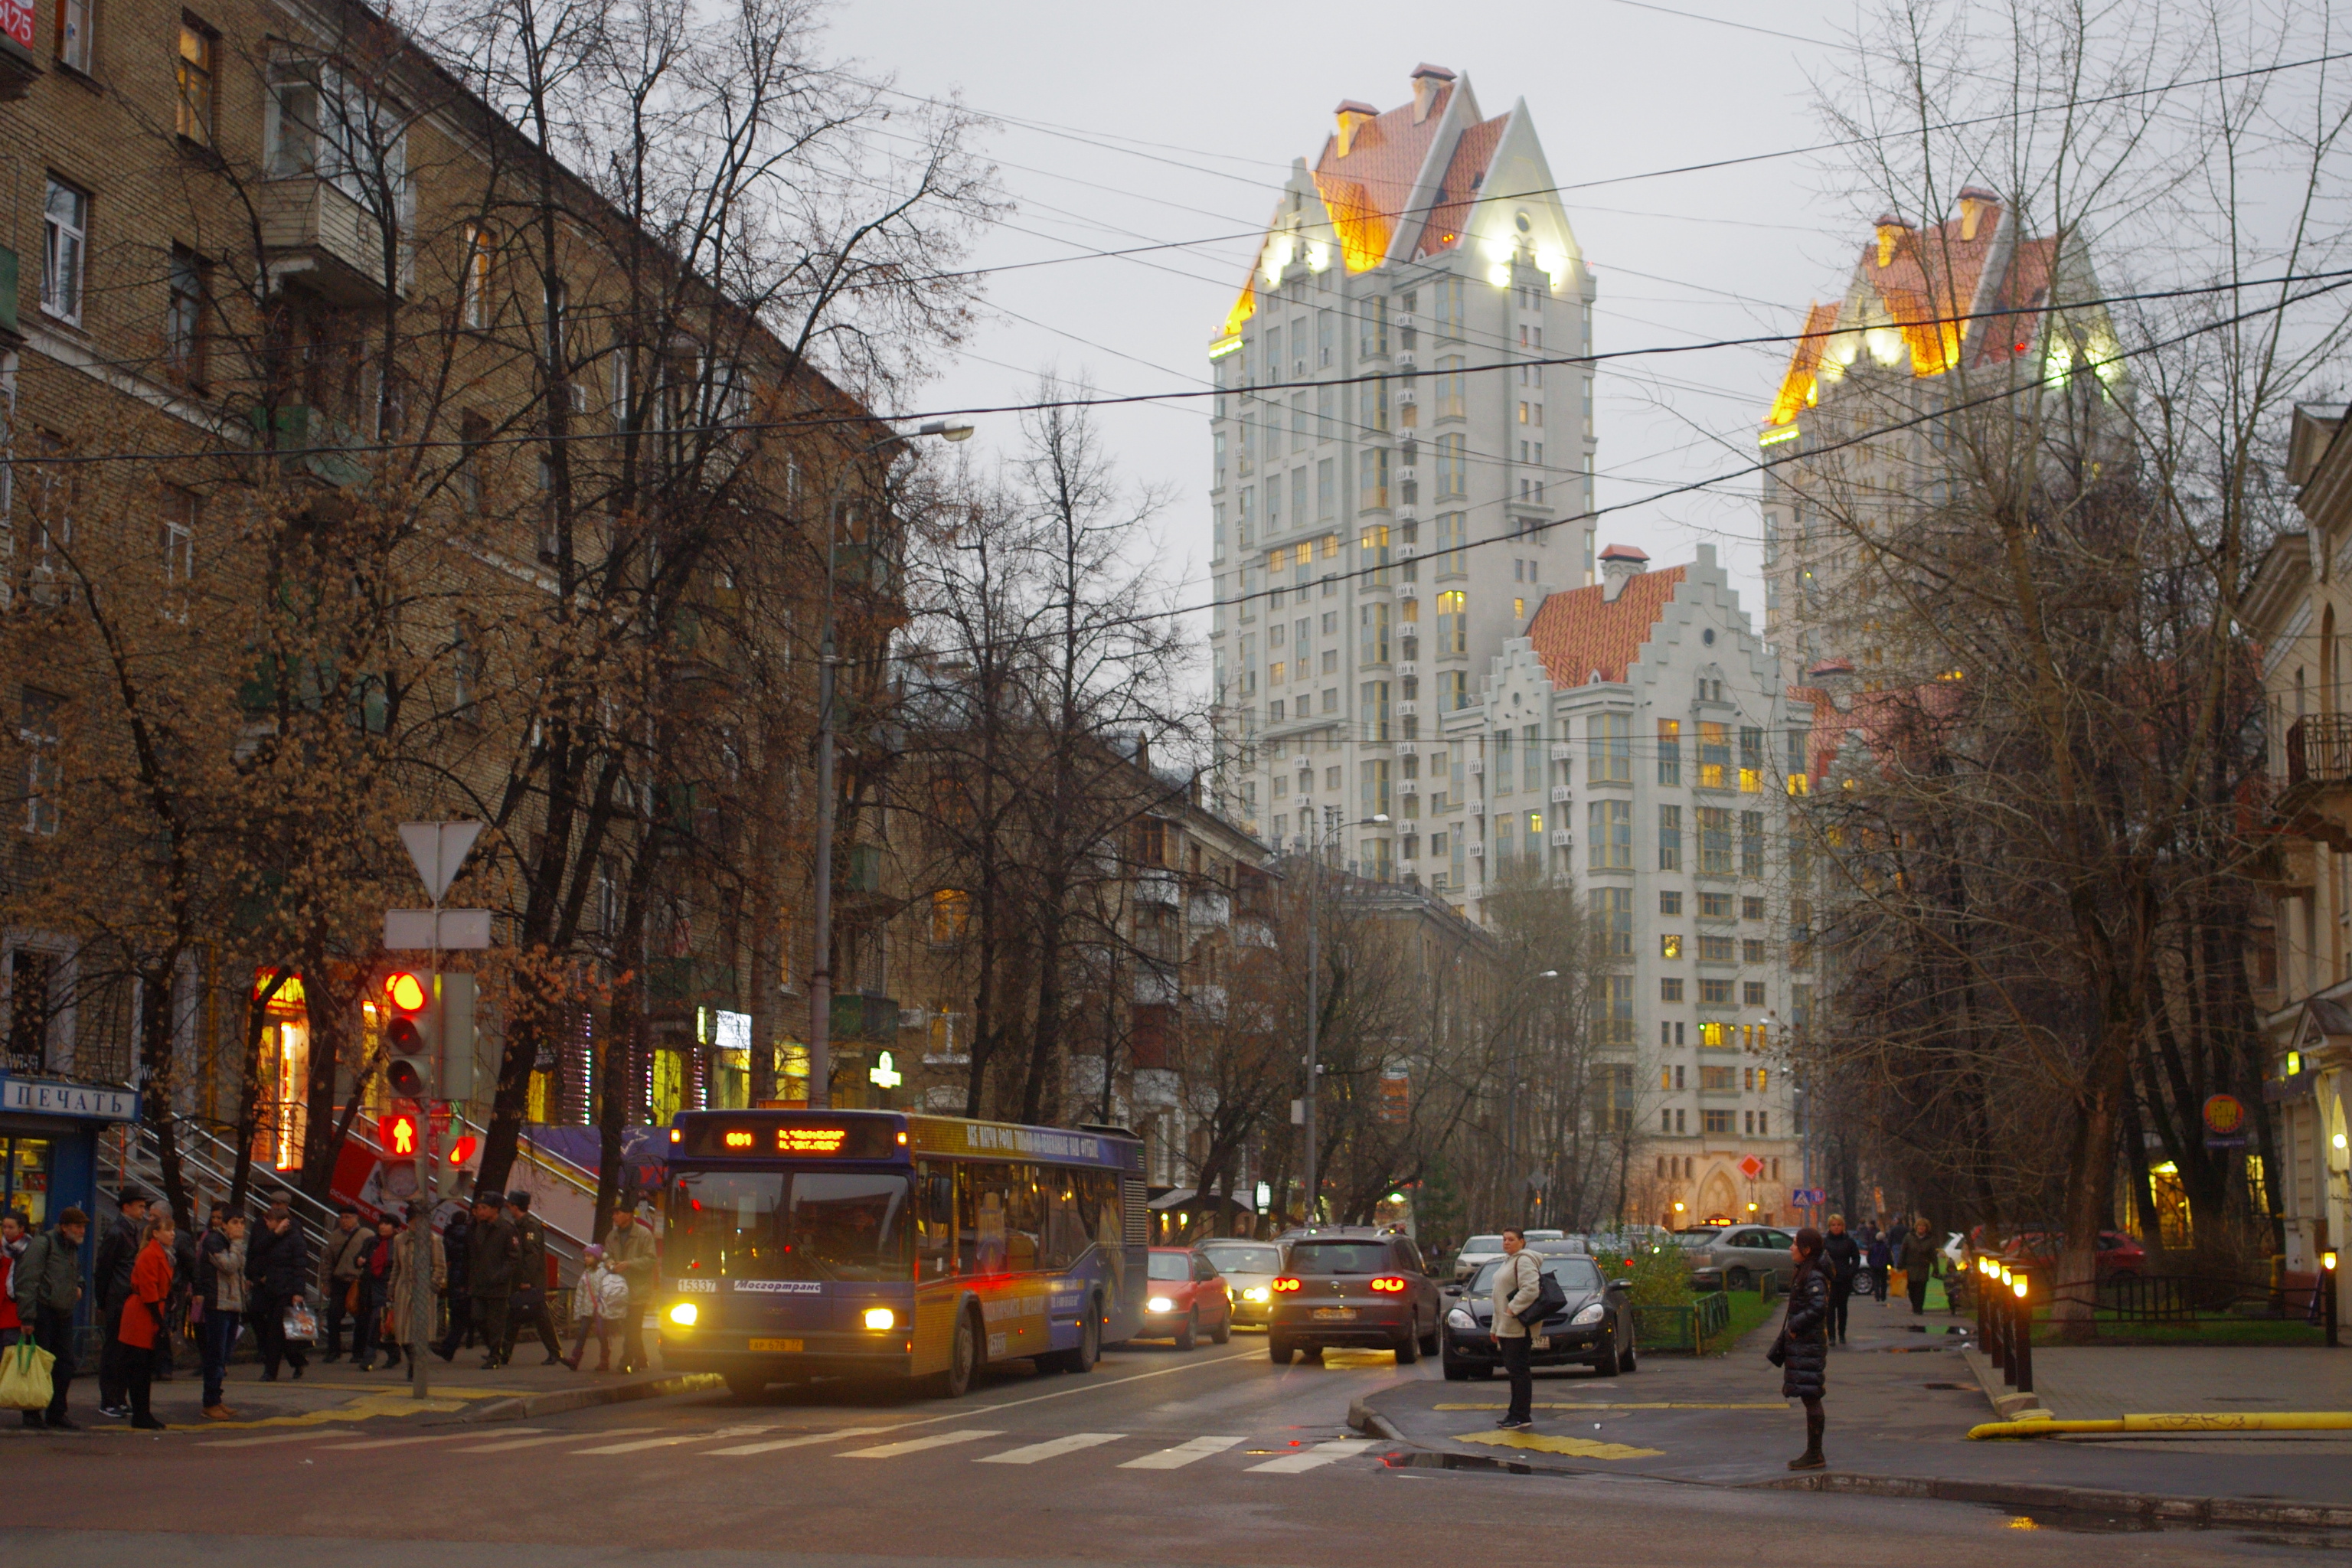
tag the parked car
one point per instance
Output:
(1353, 1284)
(1595, 1329)
(1250, 1268)
(1186, 1297)
(1477, 1250)
(1743, 1252)
(1532, 1236)
(2119, 1257)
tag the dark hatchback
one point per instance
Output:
(1353, 1284)
(1595, 1329)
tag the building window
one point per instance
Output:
(1670, 944)
(480, 247)
(1752, 908)
(1714, 993)
(1670, 752)
(1670, 838)
(1715, 950)
(38, 731)
(1751, 993)
(1373, 478)
(1751, 761)
(1751, 950)
(1608, 843)
(1670, 990)
(1715, 1080)
(1452, 468)
(1752, 844)
(1715, 841)
(1713, 752)
(1618, 1030)
(1609, 740)
(1715, 1122)
(73, 34)
(950, 914)
(177, 534)
(1669, 903)
(64, 237)
(1613, 916)
(183, 319)
(1715, 906)
(195, 72)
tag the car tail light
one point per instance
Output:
(1285, 1286)
(1389, 1284)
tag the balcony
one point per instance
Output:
(1408, 786)
(1561, 838)
(1157, 887)
(1477, 850)
(1408, 709)
(311, 231)
(1562, 751)
(1477, 765)
(1407, 670)
(1209, 909)
(18, 72)
(1253, 931)
(2286, 866)
(308, 441)
(861, 1017)
(1562, 794)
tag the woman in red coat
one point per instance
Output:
(142, 1315)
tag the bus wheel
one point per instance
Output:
(1088, 1350)
(963, 1358)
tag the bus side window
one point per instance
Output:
(1065, 1227)
(935, 1222)
(1021, 1220)
(981, 1193)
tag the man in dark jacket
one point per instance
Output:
(47, 1285)
(529, 1309)
(277, 1272)
(457, 1244)
(340, 1287)
(490, 1276)
(116, 1255)
(1845, 1254)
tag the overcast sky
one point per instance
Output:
(1124, 123)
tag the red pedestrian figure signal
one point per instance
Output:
(400, 1135)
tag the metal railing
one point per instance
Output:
(2319, 748)
(1687, 1328)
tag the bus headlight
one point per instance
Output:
(881, 1318)
(1161, 1304)
(683, 1314)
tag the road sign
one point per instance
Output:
(1808, 1197)
(438, 849)
(1751, 1167)
(2225, 1116)
(422, 930)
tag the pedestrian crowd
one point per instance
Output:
(153, 1286)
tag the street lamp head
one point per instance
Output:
(1548, 974)
(947, 429)
(1379, 816)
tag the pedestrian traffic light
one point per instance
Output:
(398, 1132)
(408, 1042)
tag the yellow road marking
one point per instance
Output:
(1775, 1404)
(1580, 1447)
(374, 1405)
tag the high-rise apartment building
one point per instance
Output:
(1402, 465)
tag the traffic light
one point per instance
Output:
(399, 1132)
(408, 1040)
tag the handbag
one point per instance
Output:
(1550, 1299)
(299, 1325)
(25, 1381)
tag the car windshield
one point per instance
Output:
(1574, 1274)
(787, 1225)
(1245, 1260)
(1483, 1244)
(1340, 1256)
(1543, 1235)
(1697, 1238)
(1171, 1266)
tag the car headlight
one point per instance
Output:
(1161, 1304)
(881, 1318)
(1257, 1293)
(1461, 1318)
(684, 1314)
(1593, 1314)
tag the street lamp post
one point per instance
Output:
(1314, 848)
(820, 1044)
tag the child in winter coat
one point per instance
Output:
(599, 1303)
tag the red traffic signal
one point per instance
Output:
(407, 1044)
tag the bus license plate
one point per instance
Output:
(776, 1347)
(1335, 1314)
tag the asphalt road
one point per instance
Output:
(1208, 1457)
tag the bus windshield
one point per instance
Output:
(788, 1224)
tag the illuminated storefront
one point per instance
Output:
(282, 1114)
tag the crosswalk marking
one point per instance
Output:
(673, 1439)
(917, 1444)
(1313, 1458)
(803, 1441)
(1181, 1455)
(1051, 1450)
(405, 1442)
(541, 1442)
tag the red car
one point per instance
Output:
(2120, 1257)
(1186, 1297)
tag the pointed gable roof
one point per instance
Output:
(1474, 150)
(1579, 634)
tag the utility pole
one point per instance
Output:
(820, 1042)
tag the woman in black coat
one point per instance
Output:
(1803, 1351)
(278, 1271)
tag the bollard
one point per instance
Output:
(2327, 1282)
(2022, 1355)
(2004, 1328)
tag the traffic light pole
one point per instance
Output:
(429, 1185)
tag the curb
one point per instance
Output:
(526, 1406)
(2006, 1402)
(2191, 1511)
(1362, 1418)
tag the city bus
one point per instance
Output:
(891, 1245)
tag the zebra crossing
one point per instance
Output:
(988, 1446)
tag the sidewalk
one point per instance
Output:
(1900, 1406)
(460, 1390)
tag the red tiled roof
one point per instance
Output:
(2023, 294)
(1463, 173)
(1578, 631)
(1367, 190)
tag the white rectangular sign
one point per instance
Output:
(42, 1097)
(411, 930)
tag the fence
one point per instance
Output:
(1687, 1328)
(2195, 1297)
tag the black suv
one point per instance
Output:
(1594, 1328)
(1353, 1284)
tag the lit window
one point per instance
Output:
(1670, 945)
(196, 74)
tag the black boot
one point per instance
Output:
(1815, 1420)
